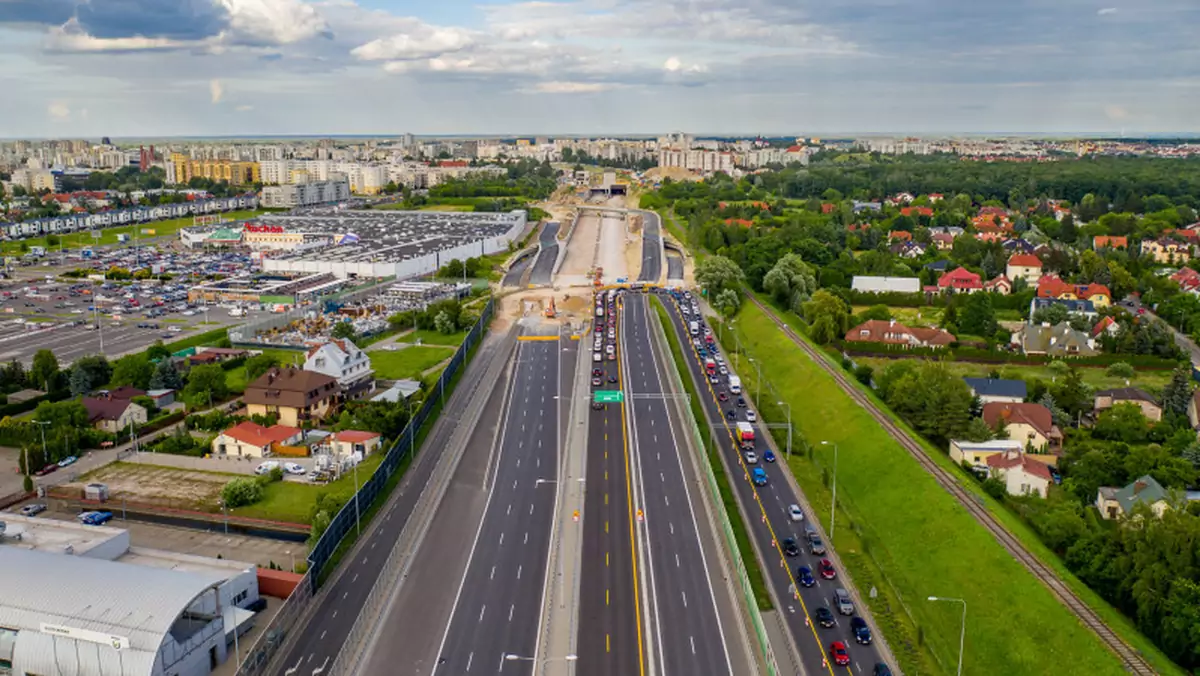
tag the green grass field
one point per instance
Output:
(409, 362)
(909, 316)
(292, 501)
(921, 539)
(1095, 378)
(424, 337)
(109, 235)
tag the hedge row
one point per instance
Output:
(976, 355)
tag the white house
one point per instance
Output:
(1021, 474)
(341, 359)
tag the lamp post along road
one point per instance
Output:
(789, 425)
(833, 502)
(962, 636)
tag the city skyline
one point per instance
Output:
(222, 68)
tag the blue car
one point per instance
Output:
(805, 577)
(759, 476)
(95, 518)
(769, 455)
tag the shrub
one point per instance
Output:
(241, 492)
(995, 488)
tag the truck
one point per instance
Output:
(735, 384)
(710, 366)
(745, 435)
(237, 312)
(693, 327)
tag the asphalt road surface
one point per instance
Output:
(674, 266)
(688, 632)
(811, 639)
(651, 247)
(513, 276)
(544, 266)
(610, 641)
(318, 642)
(499, 600)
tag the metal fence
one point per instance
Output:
(285, 622)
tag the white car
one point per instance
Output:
(596, 356)
(751, 416)
(189, 313)
(266, 467)
(293, 468)
(751, 458)
(795, 513)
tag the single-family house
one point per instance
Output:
(914, 212)
(1193, 411)
(113, 415)
(872, 284)
(126, 392)
(1051, 286)
(944, 241)
(895, 333)
(900, 235)
(1073, 307)
(1030, 424)
(349, 442)
(1020, 473)
(939, 266)
(1024, 266)
(343, 360)
(296, 395)
(991, 390)
(960, 280)
(1106, 325)
(251, 440)
(1100, 242)
(1018, 245)
(216, 355)
(866, 206)
(1187, 279)
(1001, 285)
(976, 453)
(1167, 250)
(1117, 502)
(1059, 340)
(162, 398)
(936, 197)
(1106, 399)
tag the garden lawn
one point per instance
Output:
(434, 338)
(108, 236)
(292, 501)
(1094, 377)
(409, 362)
(910, 316)
(923, 541)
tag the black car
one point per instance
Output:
(597, 406)
(741, 402)
(881, 669)
(790, 547)
(596, 373)
(862, 633)
(825, 617)
(612, 378)
(729, 414)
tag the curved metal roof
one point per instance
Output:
(136, 602)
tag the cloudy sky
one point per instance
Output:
(220, 67)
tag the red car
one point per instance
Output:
(46, 470)
(837, 650)
(826, 568)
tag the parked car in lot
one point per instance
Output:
(266, 467)
(33, 509)
(293, 468)
(68, 461)
(95, 518)
(47, 469)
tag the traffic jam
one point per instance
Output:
(604, 347)
(815, 575)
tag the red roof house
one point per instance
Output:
(960, 280)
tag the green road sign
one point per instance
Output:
(608, 396)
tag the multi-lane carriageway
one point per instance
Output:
(766, 508)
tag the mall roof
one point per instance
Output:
(136, 602)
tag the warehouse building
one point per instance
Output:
(268, 289)
(402, 244)
(78, 600)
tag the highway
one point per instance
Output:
(498, 602)
(610, 640)
(766, 510)
(544, 265)
(652, 249)
(339, 602)
(674, 266)
(682, 601)
(514, 274)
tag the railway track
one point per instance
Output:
(1132, 659)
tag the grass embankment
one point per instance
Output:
(108, 236)
(900, 532)
(754, 574)
(410, 362)
(1094, 377)
(423, 337)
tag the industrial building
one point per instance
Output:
(402, 244)
(78, 600)
(419, 295)
(266, 289)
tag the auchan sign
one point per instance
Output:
(272, 229)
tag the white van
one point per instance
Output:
(694, 328)
(266, 467)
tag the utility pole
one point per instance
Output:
(833, 502)
(45, 458)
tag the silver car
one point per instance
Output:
(841, 597)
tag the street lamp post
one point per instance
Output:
(962, 636)
(357, 513)
(833, 503)
(758, 379)
(41, 426)
(789, 424)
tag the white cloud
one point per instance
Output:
(274, 22)
(672, 64)
(1107, 10)
(216, 91)
(59, 110)
(569, 87)
(421, 41)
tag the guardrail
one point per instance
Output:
(710, 481)
(258, 658)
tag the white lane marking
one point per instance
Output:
(493, 575)
(531, 508)
(526, 538)
(519, 567)
(514, 484)
(672, 526)
(684, 594)
(470, 659)
(677, 561)
(482, 610)
(354, 579)
(510, 611)
(508, 511)
(322, 637)
(501, 538)
(668, 500)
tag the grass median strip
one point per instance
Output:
(745, 549)
(922, 541)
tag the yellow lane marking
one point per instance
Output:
(537, 337)
(637, 603)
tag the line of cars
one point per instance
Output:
(55, 466)
(604, 345)
(738, 413)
